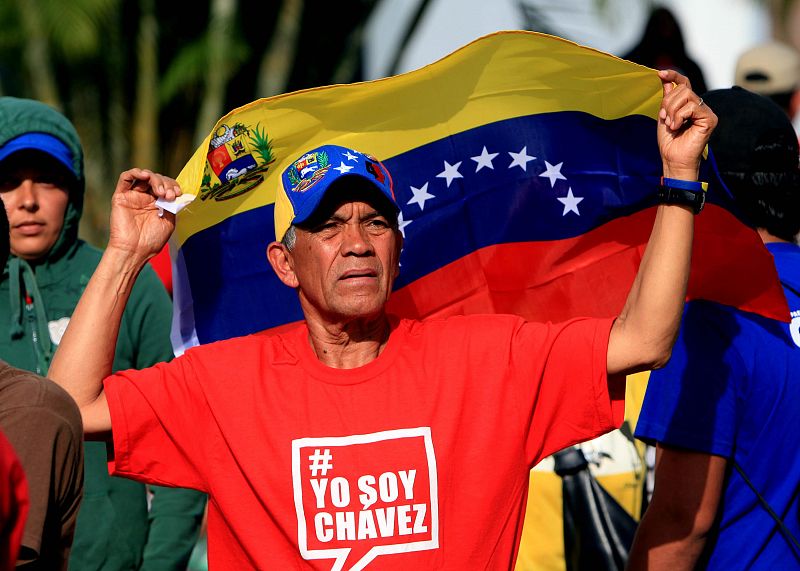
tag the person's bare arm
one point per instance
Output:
(86, 353)
(673, 531)
(646, 328)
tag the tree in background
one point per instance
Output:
(145, 81)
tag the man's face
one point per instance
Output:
(33, 188)
(346, 262)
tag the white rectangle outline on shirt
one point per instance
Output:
(340, 555)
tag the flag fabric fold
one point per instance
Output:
(526, 169)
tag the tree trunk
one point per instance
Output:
(145, 114)
(276, 65)
(37, 54)
(87, 117)
(220, 29)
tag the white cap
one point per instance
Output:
(769, 68)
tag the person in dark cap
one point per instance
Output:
(662, 47)
(354, 436)
(723, 412)
(42, 187)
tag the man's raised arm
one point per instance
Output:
(643, 334)
(86, 353)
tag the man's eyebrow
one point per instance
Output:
(373, 214)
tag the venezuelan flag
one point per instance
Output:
(526, 168)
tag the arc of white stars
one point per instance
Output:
(421, 195)
(570, 203)
(343, 168)
(521, 159)
(553, 172)
(484, 159)
(350, 156)
(401, 223)
(450, 172)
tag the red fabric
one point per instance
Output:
(591, 274)
(163, 266)
(13, 505)
(428, 445)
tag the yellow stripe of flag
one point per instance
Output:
(500, 76)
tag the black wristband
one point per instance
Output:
(679, 193)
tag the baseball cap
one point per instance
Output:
(42, 142)
(753, 133)
(305, 182)
(769, 68)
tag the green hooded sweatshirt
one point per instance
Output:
(115, 529)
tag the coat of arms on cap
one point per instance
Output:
(238, 157)
(307, 170)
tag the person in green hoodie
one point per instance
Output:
(42, 187)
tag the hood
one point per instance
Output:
(21, 116)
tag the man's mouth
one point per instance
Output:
(355, 274)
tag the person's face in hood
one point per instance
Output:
(35, 191)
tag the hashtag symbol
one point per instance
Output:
(320, 462)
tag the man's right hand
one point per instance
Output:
(138, 229)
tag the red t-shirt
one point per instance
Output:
(417, 460)
(13, 504)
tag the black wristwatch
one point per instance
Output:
(683, 192)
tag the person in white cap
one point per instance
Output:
(772, 69)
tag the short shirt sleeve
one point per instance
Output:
(158, 416)
(561, 374)
(691, 403)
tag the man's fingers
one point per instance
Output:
(144, 180)
(681, 105)
(670, 76)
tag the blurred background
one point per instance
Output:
(145, 81)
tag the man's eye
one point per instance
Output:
(378, 223)
(325, 226)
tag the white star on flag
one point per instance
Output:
(401, 224)
(484, 159)
(450, 172)
(553, 173)
(420, 196)
(350, 156)
(343, 168)
(521, 159)
(570, 203)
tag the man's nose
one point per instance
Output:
(356, 241)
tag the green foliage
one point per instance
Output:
(262, 144)
(11, 35)
(76, 27)
(324, 161)
(188, 68)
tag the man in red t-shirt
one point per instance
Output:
(353, 439)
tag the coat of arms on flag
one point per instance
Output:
(237, 159)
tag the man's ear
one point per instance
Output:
(280, 258)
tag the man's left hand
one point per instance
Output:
(685, 124)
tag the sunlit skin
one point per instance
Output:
(343, 267)
(34, 192)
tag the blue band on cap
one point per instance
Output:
(41, 142)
